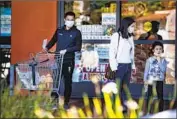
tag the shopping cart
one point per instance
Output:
(42, 72)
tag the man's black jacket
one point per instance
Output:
(71, 40)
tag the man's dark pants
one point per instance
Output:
(67, 71)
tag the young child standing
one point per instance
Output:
(154, 74)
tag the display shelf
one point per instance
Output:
(106, 41)
(96, 41)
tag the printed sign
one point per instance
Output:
(5, 21)
(108, 18)
(85, 74)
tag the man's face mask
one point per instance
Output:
(69, 23)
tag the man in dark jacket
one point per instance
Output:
(68, 40)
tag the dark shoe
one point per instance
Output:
(54, 95)
(66, 106)
(125, 110)
(55, 107)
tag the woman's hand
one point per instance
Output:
(133, 71)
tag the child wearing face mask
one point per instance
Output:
(154, 74)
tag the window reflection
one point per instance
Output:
(95, 19)
(146, 11)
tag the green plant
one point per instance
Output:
(39, 106)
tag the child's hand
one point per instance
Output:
(161, 55)
(157, 55)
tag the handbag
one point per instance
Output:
(109, 74)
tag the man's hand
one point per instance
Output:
(44, 50)
(62, 52)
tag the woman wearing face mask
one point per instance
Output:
(68, 40)
(121, 54)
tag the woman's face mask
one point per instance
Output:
(131, 28)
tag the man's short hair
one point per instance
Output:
(69, 14)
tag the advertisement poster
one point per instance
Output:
(99, 71)
(5, 22)
(170, 57)
(89, 74)
(103, 51)
(171, 23)
(108, 18)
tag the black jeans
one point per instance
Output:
(67, 71)
(159, 90)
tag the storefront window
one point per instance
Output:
(162, 11)
(95, 19)
(5, 18)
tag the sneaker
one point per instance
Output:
(66, 106)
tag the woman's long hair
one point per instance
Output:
(123, 29)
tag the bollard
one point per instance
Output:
(12, 69)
